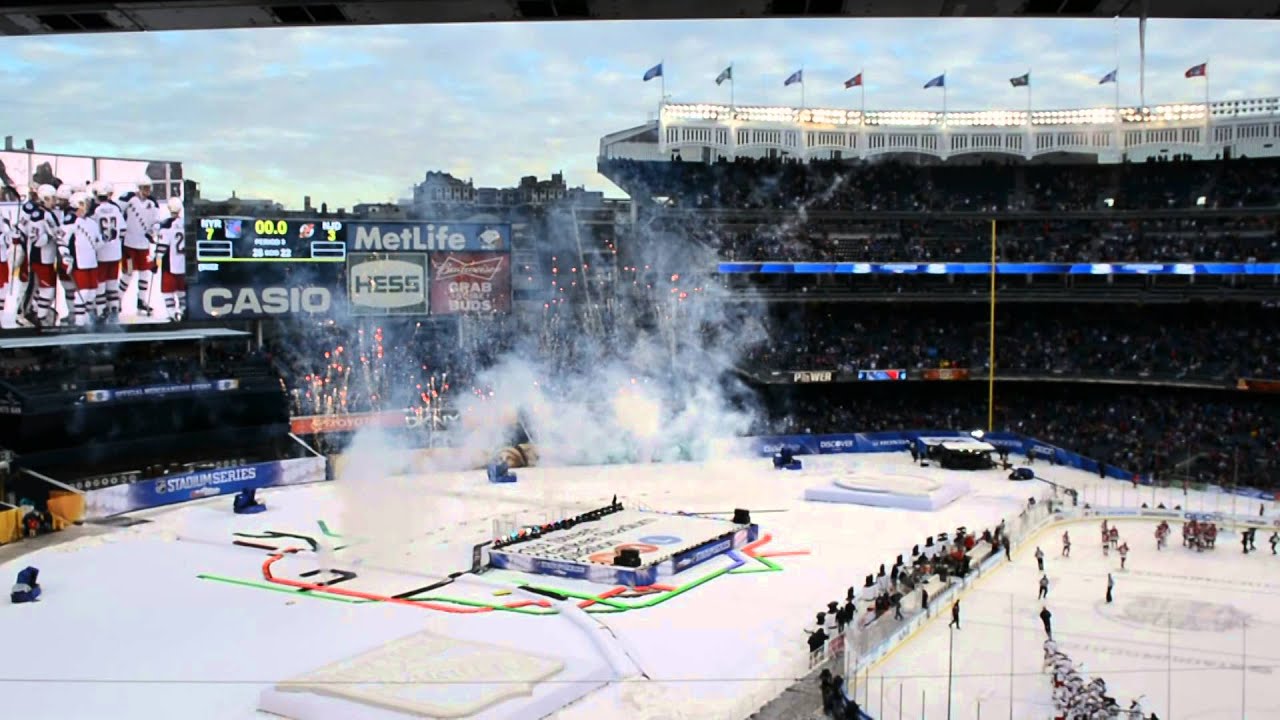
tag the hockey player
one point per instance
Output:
(82, 245)
(1115, 537)
(111, 226)
(172, 248)
(42, 245)
(1275, 539)
(8, 236)
(1044, 587)
(1040, 559)
(1111, 583)
(1124, 554)
(1046, 617)
(66, 221)
(139, 234)
(1106, 535)
(1066, 544)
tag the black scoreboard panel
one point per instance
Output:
(258, 251)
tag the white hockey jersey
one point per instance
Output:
(173, 238)
(42, 235)
(8, 236)
(85, 238)
(140, 221)
(111, 227)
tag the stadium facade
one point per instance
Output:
(709, 132)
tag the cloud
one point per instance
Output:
(359, 114)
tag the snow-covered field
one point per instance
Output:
(127, 629)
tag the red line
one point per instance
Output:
(604, 596)
(654, 588)
(749, 549)
(266, 574)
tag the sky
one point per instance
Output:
(350, 115)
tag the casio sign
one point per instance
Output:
(223, 302)
(388, 284)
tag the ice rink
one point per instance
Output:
(1181, 631)
(170, 619)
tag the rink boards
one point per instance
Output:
(668, 544)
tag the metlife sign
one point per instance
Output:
(387, 284)
(430, 236)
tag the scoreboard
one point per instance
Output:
(244, 250)
(235, 240)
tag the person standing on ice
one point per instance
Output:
(1044, 587)
(1111, 583)
(1115, 537)
(955, 615)
(1040, 559)
(1275, 538)
(1066, 544)
(1046, 617)
(1124, 554)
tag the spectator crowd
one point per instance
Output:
(1220, 343)
(837, 185)
(1199, 437)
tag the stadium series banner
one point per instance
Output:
(206, 483)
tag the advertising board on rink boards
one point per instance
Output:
(18, 169)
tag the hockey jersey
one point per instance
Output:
(111, 228)
(173, 240)
(84, 238)
(42, 234)
(140, 221)
(8, 236)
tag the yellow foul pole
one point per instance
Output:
(991, 341)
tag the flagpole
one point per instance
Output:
(1028, 96)
(944, 98)
(1208, 117)
(731, 86)
(801, 87)
(862, 89)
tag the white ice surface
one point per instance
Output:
(1176, 634)
(125, 630)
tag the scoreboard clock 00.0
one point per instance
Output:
(246, 250)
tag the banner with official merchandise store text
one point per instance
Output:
(172, 489)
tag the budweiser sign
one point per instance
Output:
(479, 271)
(945, 374)
(470, 283)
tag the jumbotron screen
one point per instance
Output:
(248, 267)
(90, 242)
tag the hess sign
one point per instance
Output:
(391, 284)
